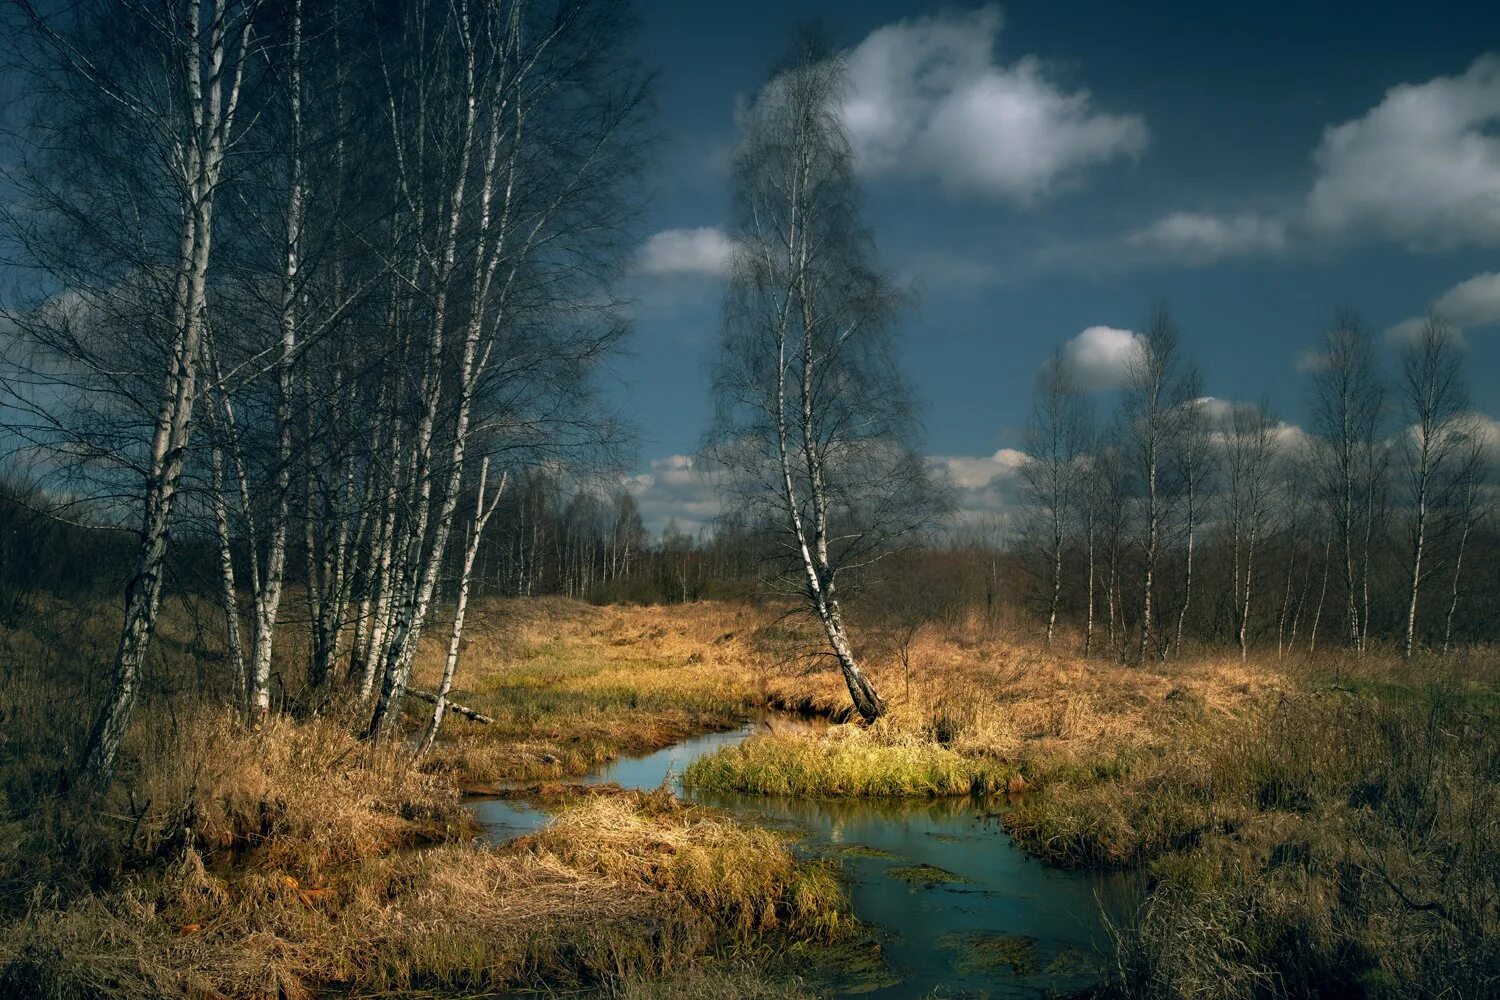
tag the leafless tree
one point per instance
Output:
(1153, 394)
(1056, 435)
(1250, 476)
(1107, 497)
(1347, 409)
(139, 108)
(513, 128)
(1194, 461)
(1433, 400)
(485, 502)
(1469, 481)
(814, 425)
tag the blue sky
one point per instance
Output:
(1040, 174)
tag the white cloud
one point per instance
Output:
(1196, 238)
(1422, 167)
(1100, 356)
(1405, 332)
(1217, 409)
(701, 252)
(1475, 302)
(928, 99)
(674, 489)
(1487, 430)
(1468, 304)
(983, 486)
(1311, 360)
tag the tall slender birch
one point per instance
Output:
(1152, 398)
(1193, 459)
(1347, 405)
(1433, 398)
(814, 424)
(1249, 472)
(1055, 436)
(152, 112)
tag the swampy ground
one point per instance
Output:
(1296, 827)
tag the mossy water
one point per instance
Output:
(988, 889)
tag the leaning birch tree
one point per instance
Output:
(814, 429)
(138, 113)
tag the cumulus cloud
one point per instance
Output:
(1217, 409)
(1422, 166)
(927, 98)
(1468, 304)
(1197, 238)
(1487, 430)
(701, 252)
(1100, 356)
(673, 489)
(985, 486)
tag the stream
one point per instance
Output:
(985, 920)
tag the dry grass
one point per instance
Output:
(1304, 829)
(280, 863)
(986, 713)
(572, 686)
(294, 879)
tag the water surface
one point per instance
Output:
(981, 919)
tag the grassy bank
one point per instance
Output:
(1304, 828)
(571, 686)
(296, 859)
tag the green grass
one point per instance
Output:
(926, 875)
(852, 764)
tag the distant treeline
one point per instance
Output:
(551, 539)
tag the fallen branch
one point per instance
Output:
(453, 706)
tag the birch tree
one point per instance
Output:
(124, 178)
(1152, 410)
(1055, 439)
(515, 131)
(1193, 458)
(1467, 511)
(1250, 476)
(1433, 399)
(1347, 407)
(814, 427)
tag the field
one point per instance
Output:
(1324, 828)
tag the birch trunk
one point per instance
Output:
(211, 103)
(1458, 561)
(483, 508)
(233, 644)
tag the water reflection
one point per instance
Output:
(1002, 925)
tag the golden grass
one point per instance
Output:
(573, 686)
(986, 713)
(298, 859)
(1302, 833)
(846, 762)
(293, 878)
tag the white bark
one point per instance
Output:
(212, 67)
(484, 506)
